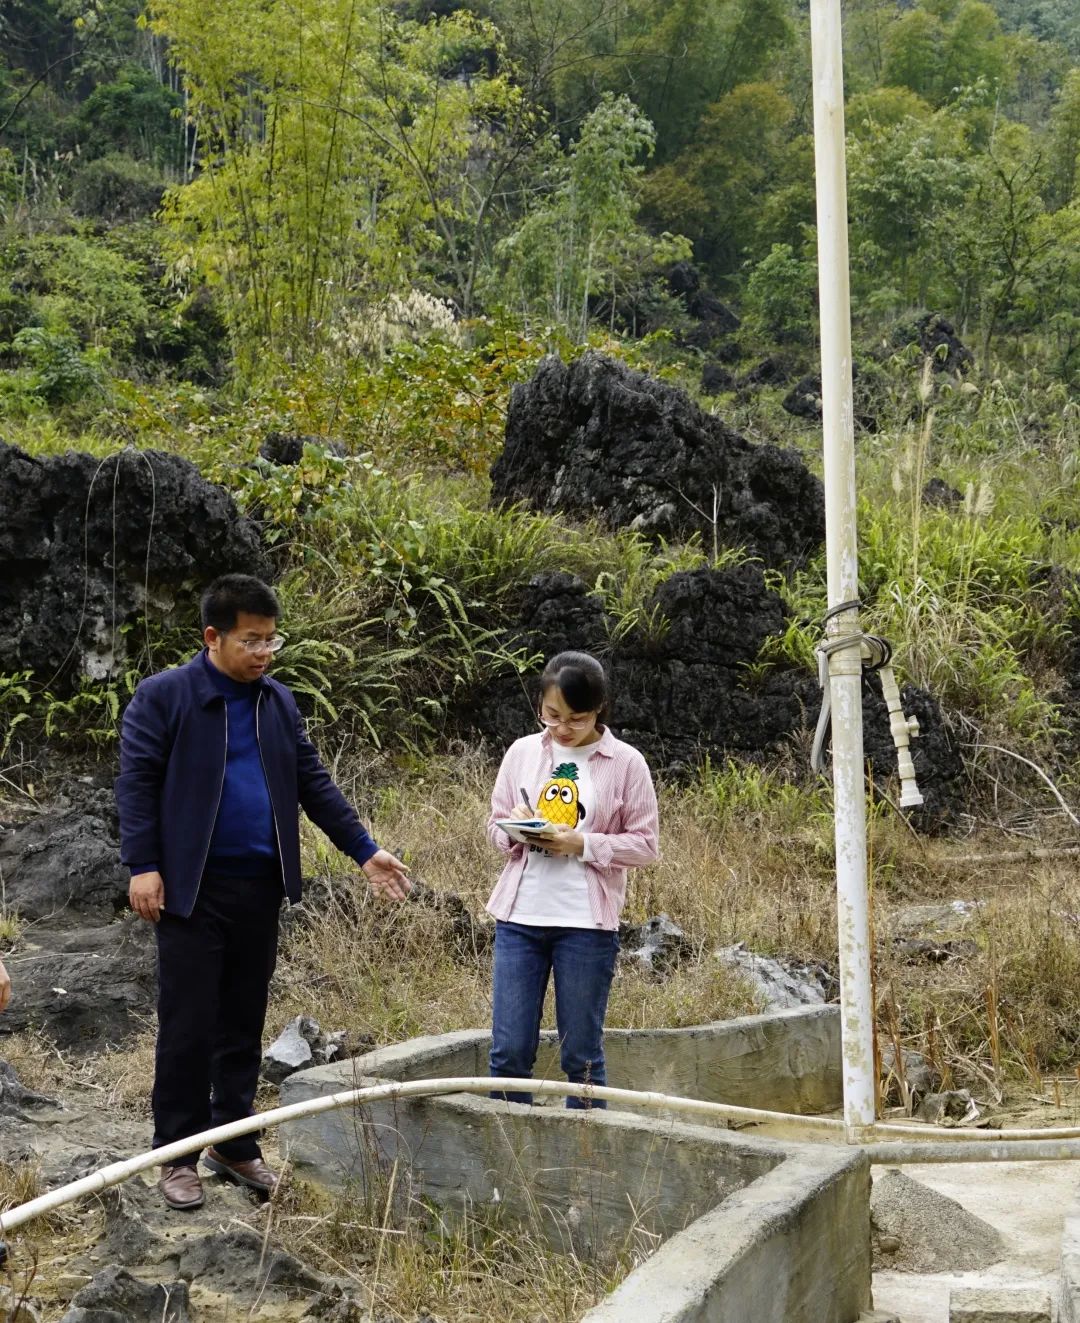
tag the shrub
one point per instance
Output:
(136, 113)
(115, 187)
(80, 287)
(780, 298)
(60, 373)
(16, 311)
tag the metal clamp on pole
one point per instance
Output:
(876, 655)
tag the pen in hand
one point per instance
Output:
(525, 798)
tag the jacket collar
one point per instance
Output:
(206, 691)
(605, 745)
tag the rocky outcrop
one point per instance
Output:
(596, 438)
(686, 686)
(85, 988)
(778, 984)
(302, 1043)
(658, 946)
(114, 1294)
(64, 864)
(938, 341)
(83, 972)
(712, 319)
(89, 545)
(803, 400)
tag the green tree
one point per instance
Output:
(781, 298)
(581, 232)
(1048, 297)
(714, 191)
(994, 244)
(56, 51)
(341, 150)
(136, 114)
(944, 46)
(1064, 145)
(902, 175)
(672, 57)
(1048, 20)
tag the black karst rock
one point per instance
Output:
(115, 1294)
(684, 690)
(684, 685)
(87, 545)
(557, 614)
(937, 339)
(804, 400)
(776, 370)
(938, 492)
(716, 378)
(64, 865)
(597, 438)
(87, 989)
(286, 449)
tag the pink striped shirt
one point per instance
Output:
(626, 821)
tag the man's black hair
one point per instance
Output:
(230, 594)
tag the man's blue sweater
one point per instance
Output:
(243, 843)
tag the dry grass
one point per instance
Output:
(40, 1251)
(117, 1080)
(746, 857)
(413, 1261)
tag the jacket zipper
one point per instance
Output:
(269, 795)
(217, 805)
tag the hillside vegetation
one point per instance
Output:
(358, 225)
(361, 223)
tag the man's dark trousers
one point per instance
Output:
(214, 972)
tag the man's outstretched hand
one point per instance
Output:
(388, 876)
(146, 892)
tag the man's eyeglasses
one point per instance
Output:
(272, 644)
(572, 723)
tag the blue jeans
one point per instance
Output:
(583, 961)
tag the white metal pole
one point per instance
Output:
(845, 663)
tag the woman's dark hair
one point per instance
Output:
(230, 594)
(582, 681)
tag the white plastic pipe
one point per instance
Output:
(996, 1146)
(999, 1150)
(841, 549)
(116, 1172)
(904, 729)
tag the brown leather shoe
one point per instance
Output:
(252, 1172)
(181, 1187)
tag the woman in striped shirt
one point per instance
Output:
(558, 900)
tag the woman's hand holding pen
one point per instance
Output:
(559, 839)
(522, 809)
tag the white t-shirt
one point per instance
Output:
(553, 892)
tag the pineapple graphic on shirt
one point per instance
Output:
(558, 800)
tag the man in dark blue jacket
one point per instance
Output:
(214, 765)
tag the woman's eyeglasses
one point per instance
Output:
(571, 723)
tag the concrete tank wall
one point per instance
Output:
(1069, 1293)
(791, 1247)
(581, 1181)
(786, 1061)
(751, 1230)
